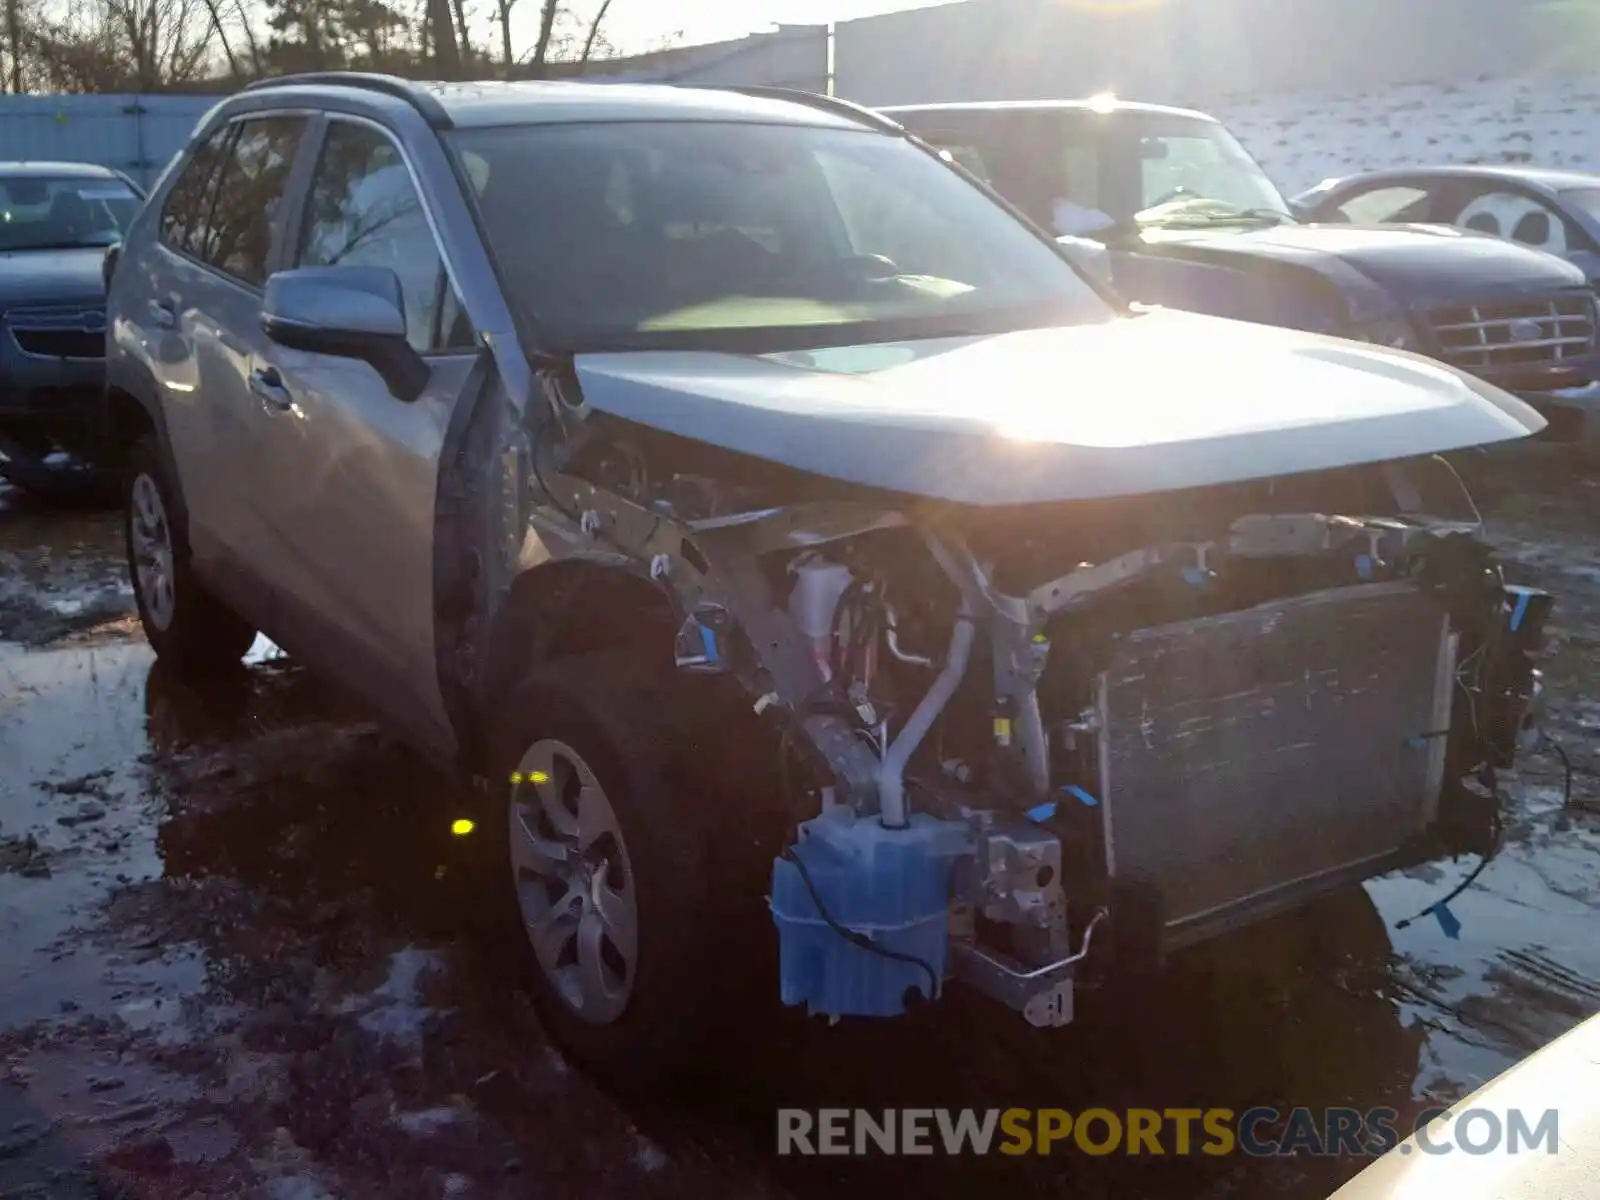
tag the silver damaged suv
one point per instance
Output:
(777, 525)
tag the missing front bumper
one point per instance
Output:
(1256, 759)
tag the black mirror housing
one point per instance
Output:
(346, 312)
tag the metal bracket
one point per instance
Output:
(1042, 995)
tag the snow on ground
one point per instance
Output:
(1302, 139)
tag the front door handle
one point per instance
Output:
(163, 314)
(268, 387)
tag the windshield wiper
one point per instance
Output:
(1198, 213)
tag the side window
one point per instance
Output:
(1399, 203)
(363, 211)
(1080, 165)
(189, 202)
(1517, 216)
(255, 171)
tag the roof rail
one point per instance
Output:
(419, 98)
(816, 100)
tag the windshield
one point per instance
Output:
(1087, 173)
(1197, 171)
(42, 212)
(702, 234)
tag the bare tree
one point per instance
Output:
(593, 35)
(446, 51)
(549, 10)
(564, 35)
(14, 37)
(115, 45)
(502, 16)
(164, 45)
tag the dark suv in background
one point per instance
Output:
(1192, 221)
(56, 222)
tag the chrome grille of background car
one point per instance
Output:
(75, 332)
(1516, 333)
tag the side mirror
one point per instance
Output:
(346, 312)
(108, 264)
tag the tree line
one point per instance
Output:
(216, 45)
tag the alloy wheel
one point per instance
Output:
(574, 881)
(152, 552)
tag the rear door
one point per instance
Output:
(348, 473)
(220, 233)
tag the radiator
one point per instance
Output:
(1251, 760)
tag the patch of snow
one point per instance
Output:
(431, 1120)
(394, 1009)
(262, 650)
(1304, 138)
(296, 1187)
(648, 1156)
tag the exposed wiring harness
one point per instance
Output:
(1497, 832)
(860, 940)
(856, 625)
(1568, 801)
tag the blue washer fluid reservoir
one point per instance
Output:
(890, 885)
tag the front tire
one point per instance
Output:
(608, 864)
(185, 625)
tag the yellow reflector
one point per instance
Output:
(538, 777)
(461, 827)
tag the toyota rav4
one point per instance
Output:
(773, 523)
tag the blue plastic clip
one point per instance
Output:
(1040, 813)
(708, 639)
(1447, 921)
(1519, 610)
(1083, 797)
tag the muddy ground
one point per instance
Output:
(241, 954)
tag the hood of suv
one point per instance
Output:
(1148, 403)
(1414, 263)
(30, 277)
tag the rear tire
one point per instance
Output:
(609, 860)
(186, 626)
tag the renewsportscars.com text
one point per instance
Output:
(1257, 1132)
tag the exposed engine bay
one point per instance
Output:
(1022, 741)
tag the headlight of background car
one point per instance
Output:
(1397, 332)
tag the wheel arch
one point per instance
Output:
(568, 607)
(128, 415)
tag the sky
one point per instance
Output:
(636, 25)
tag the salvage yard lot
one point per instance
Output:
(245, 955)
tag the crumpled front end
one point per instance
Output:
(1024, 742)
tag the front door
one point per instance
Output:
(351, 472)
